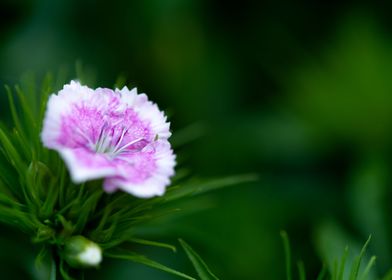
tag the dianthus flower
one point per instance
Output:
(118, 135)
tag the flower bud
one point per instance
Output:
(81, 252)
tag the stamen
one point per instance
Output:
(102, 139)
(116, 152)
(124, 131)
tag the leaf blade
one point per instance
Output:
(153, 243)
(132, 256)
(200, 266)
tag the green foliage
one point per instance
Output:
(201, 267)
(38, 197)
(132, 256)
(286, 245)
(339, 267)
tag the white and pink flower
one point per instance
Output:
(118, 135)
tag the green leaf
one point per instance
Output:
(301, 270)
(8, 200)
(132, 256)
(368, 267)
(27, 108)
(46, 90)
(19, 219)
(153, 243)
(201, 267)
(343, 263)
(87, 206)
(11, 152)
(13, 109)
(332, 242)
(196, 188)
(287, 251)
(357, 261)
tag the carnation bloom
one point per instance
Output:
(118, 135)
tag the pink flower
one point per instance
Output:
(117, 135)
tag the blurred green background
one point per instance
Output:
(297, 92)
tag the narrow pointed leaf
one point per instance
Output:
(368, 267)
(11, 152)
(197, 188)
(132, 256)
(357, 261)
(153, 243)
(301, 270)
(286, 245)
(201, 267)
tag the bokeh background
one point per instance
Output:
(298, 92)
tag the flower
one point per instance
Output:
(118, 135)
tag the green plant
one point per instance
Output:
(38, 198)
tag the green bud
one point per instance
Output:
(81, 252)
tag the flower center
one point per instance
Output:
(106, 143)
(109, 142)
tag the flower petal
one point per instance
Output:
(147, 111)
(84, 165)
(147, 173)
(62, 105)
